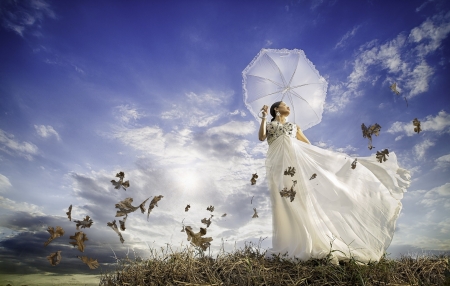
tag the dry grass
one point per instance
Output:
(249, 267)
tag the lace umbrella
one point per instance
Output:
(288, 76)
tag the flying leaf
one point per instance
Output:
(153, 203)
(54, 234)
(289, 171)
(122, 223)
(125, 207)
(253, 179)
(79, 237)
(187, 208)
(114, 227)
(210, 208)
(416, 123)
(369, 131)
(251, 200)
(289, 193)
(207, 221)
(92, 263)
(120, 183)
(86, 222)
(224, 214)
(313, 176)
(354, 164)
(381, 156)
(55, 258)
(197, 239)
(69, 213)
(255, 214)
(394, 88)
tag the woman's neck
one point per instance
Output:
(281, 119)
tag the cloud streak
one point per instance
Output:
(401, 60)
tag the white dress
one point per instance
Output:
(358, 208)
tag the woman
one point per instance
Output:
(354, 209)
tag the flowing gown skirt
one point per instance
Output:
(354, 209)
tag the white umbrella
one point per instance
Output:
(288, 76)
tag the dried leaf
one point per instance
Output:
(114, 227)
(313, 176)
(92, 263)
(120, 183)
(210, 208)
(69, 213)
(289, 193)
(224, 214)
(79, 237)
(125, 207)
(122, 223)
(54, 234)
(289, 171)
(381, 156)
(153, 203)
(255, 214)
(207, 221)
(86, 222)
(416, 123)
(394, 88)
(197, 239)
(187, 208)
(369, 131)
(55, 258)
(251, 200)
(354, 163)
(253, 179)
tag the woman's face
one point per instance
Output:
(283, 109)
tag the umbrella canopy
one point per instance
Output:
(288, 76)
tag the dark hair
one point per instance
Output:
(272, 109)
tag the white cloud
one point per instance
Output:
(4, 183)
(438, 195)
(443, 162)
(421, 148)
(13, 147)
(128, 113)
(400, 60)
(431, 33)
(439, 123)
(234, 128)
(8, 204)
(199, 110)
(148, 139)
(46, 131)
(20, 16)
(347, 36)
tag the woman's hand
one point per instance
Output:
(264, 110)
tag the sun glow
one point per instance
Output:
(188, 179)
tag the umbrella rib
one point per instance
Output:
(274, 82)
(263, 96)
(292, 87)
(298, 96)
(281, 74)
(290, 81)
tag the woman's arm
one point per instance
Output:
(300, 136)
(262, 129)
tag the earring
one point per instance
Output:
(278, 113)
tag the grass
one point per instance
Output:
(249, 267)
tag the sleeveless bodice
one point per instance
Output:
(275, 129)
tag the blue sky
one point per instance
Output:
(154, 89)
